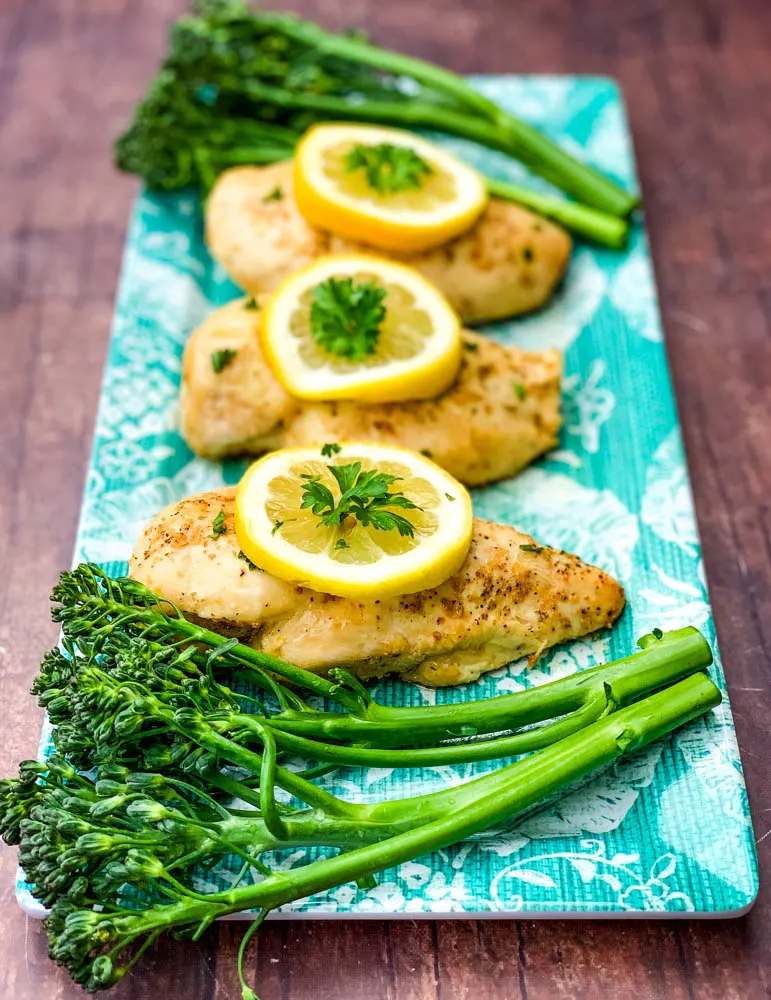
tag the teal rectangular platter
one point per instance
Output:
(664, 833)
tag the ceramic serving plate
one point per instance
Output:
(664, 833)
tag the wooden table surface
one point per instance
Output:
(697, 78)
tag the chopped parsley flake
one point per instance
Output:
(245, 557)
(221, 359)
(218, 525)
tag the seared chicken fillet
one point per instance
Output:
(505, 602)
(501, 413)
(508, 263)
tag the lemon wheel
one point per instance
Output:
(351, 326)
(386, 187)
(359, 520)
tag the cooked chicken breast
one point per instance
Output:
(509, 263)
(501, 413)
(505, 602)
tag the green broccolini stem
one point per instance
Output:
(590, 223)
(507, 792)
(413, 114)
(359, 51)
(284, 778)
(573, 701)
(632, 728)
(498, 129)
(660, 662)
(459, 753)
(485, 802)
(551, 162)
(246, 992)
(271, 816)
(230, 65)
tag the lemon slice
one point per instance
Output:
(386, 187)
(367, 555)
(360, 327)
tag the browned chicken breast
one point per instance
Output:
(509, 263)
(501, 413)
(505, 602)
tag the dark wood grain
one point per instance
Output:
(697, 77)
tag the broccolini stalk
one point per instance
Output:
(148, 838)
(588, 223)
(279, 63)
(664, 657)
(94, 608)
(85, 838)
(177, 140)
(140, 694)
(141, 685)
(241, 88)
(504, 793)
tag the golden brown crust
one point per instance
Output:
(241, 409)
(257, 239)
(504, 603)
(501, 414)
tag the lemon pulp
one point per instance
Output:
(364, 545)
(436, 189)
(402, 335)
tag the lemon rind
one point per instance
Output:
(422, 377)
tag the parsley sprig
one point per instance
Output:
(346, 316)
(365, 496)
(389, 169)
